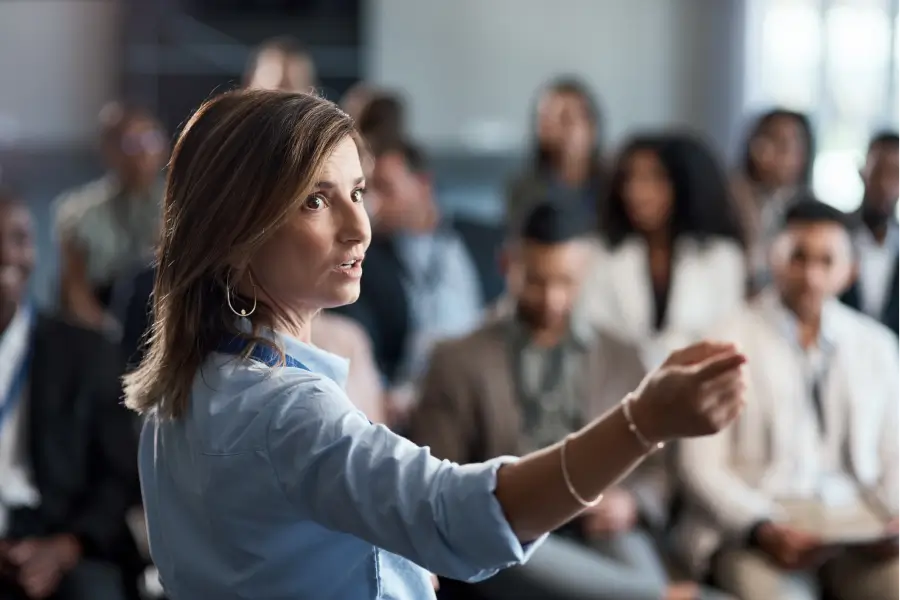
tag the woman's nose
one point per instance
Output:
(355, 227)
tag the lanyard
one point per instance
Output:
(17, 385)
(236, 345)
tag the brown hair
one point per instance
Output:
(241, 166)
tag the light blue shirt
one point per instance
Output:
(444, 292)
(274, 486)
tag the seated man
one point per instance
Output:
(67, 449)
(533, 374)
(812, 462)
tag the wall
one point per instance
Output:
(471, 67)
(58, 65)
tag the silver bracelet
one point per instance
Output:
(568, 480)
(647, 444)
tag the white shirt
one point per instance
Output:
(876, 269)
(17, 488)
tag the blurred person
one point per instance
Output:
(382, 122)
(261, 479)
(110, 227)
(67, 460)
(875, 289)
(357, 98)
(670, 261)
(281, 63)
(344, 337)
(817, 447)
(778, 158)
(420, 284)
(533, 374)
(566, 162)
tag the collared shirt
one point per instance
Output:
(443, 290)
(274, 486)
(549, 382)
(17, 487)
(877, 262)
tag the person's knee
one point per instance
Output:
(92, 580)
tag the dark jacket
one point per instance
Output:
(82, 446)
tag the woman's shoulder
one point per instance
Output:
(241, 402)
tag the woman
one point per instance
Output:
(671, 262)
(260, 478)
(777, 164)
(566, 164)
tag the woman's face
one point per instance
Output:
(647, 192)
(779, 152)
(564, 122)
(315, 260)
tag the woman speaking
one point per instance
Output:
(260, 478)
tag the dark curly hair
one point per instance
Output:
(703, 206)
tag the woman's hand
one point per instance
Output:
(697, 391)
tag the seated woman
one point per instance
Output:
(670, 261)
(566, 162)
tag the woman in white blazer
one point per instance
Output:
(669, 260)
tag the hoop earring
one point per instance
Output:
(242, 312)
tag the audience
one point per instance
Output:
(601, 277)
(813, 459)
(67, 448)
(566, 163)
(875, 291)
(534, 373)
(108, 228)
(777, 164)
(670, 263)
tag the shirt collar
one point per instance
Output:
(787, 323)
(332, 366)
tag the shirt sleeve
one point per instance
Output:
(362, 479)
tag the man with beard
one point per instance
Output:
(534, 373)
(875, 291)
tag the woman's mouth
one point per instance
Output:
(351, 268)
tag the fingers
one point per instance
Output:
(716, 365)
(696, 353)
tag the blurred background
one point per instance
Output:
(468, 70)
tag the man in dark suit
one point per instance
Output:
(66, 445)
(875, 291)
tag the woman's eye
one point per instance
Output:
(358, 195)
(315, 202)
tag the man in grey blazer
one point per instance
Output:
(532, 374)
